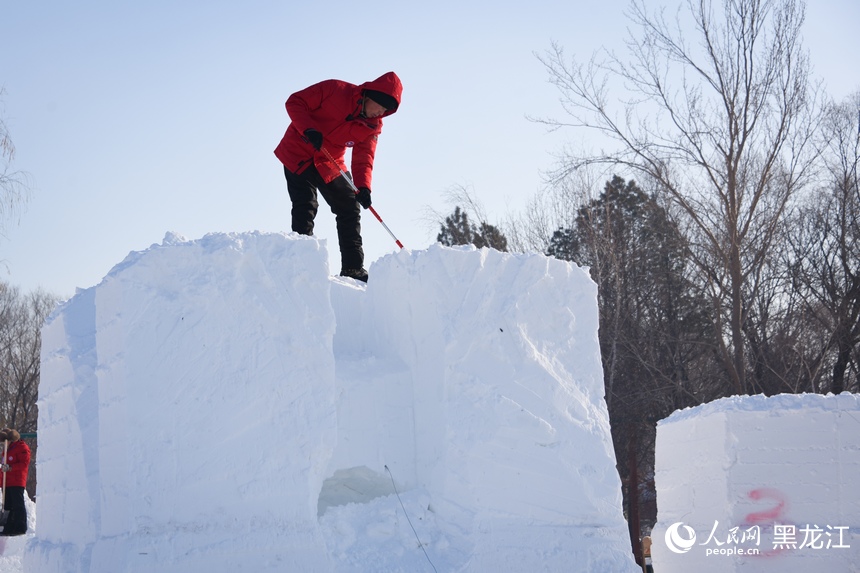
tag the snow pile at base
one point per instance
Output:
(759, 484)
(224, 405)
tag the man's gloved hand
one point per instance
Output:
(363, 197)
(5, 467)
(314, 137)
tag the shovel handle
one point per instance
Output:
(355, 190)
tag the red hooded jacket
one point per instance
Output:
(18, 458)
(334, 107)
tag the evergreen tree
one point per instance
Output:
(458, 230)
(655, 335)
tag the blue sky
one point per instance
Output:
(135, 119)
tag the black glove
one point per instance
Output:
(363, 197)
(314, 137)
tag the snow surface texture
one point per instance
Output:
(224, 404)
(783, 464)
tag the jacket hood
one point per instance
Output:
(389, 84)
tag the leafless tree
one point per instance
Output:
(13, 184)
(825, 257)
(723, 123)
(556, 207)
(21, 320)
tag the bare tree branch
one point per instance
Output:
(725, 125)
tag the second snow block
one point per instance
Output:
(475, 378)
(759, 484)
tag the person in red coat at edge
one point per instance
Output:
(16, 467)
(332, 116)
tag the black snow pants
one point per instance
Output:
(16, 524)
(341, 198)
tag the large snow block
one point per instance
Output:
(224, 404)
(759, 484)
(186, 412)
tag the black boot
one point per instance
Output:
(357, 274)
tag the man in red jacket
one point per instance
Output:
(15, 467)
(326, 119)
